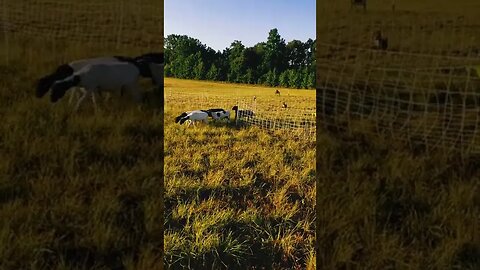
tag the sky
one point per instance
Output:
(217, 23)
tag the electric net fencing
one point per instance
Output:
(267, 115)
(424, 88)
(46, 33)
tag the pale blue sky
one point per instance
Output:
(217, 23)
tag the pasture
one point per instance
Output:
(241, 197)
(397, 141)
(78, 191)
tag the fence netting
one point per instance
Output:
(300, 120)
(45, 33)
(424, 88)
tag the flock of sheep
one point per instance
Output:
(94, 75)
(216, 114)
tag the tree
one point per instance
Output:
(275, 52)
(212, 74)
(272, 62)
(236, 59)
(297, 54)
(283, 79)
(199, 71)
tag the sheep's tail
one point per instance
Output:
(184, 119)
(177, 119)
(45, 83)
(60, 88)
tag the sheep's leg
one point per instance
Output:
(74, 92)
(78, 92)
(71, 95)
(93, 100)
(80, 100)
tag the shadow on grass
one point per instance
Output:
(10, 191)
(255, 249)
(129, 219)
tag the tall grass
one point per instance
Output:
(236, 198)
(383, 203)
(77, 191)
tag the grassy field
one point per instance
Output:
(77, 191)
(236, 198)
(383, 203)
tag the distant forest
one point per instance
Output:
(271, 63)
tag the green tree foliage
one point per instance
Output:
(273, 62)
(212, 74)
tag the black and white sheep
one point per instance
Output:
(193, 117)
(150, 65)
(218, 114)
(101, 76)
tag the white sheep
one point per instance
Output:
(194, 116)
(150, 66)
(64, 71)
(102, 76)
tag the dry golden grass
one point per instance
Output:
(236, 198)
(383, 203)
(76, 191)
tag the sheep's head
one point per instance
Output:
(43, 85)
(57, 93)
(60, 88)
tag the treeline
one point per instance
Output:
(271, 63)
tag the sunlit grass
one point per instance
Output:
(236, 198)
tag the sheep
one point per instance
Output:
(380, 42)
(242, 113)
(150, 65)
(65, 70)
(218, 114)
(284, 105)
(100, 76)
(277, 92)
(194, 116)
